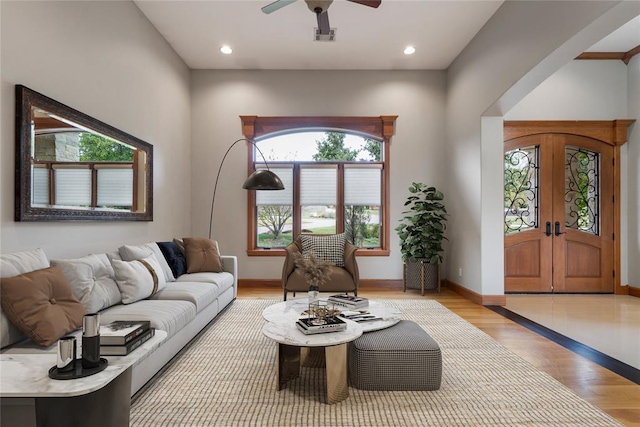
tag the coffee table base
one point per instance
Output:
(288, 368)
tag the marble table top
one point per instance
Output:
(285, 331)
(292, 310)
(27, 374)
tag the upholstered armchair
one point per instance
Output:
(342, 279)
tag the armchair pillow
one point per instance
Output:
(42, 305)
(329, 248)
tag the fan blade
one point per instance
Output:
(323, 23)
(278, 4)
(370, 3)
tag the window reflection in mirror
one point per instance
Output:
(75, 167)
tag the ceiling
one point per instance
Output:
(366, 38)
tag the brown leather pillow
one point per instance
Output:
(202, 255)
(41, 304)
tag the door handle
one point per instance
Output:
(557, 230)
(548, 229)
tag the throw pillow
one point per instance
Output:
(180, 244)
(138, 279)
(42, 305)
(14, 264)
(175, 258)
(132, 253)
(202, 255)
(328, 248)
(92, 280)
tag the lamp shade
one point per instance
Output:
(263, 179)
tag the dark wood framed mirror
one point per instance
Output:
(72, 167)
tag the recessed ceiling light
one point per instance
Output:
(226, 50)
(409, 50)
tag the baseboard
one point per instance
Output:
(634, 292)
(474, 296)
(364, 283)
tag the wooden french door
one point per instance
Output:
(559, 214)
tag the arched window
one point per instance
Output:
(335, 172)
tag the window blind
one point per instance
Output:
(279, 197)
(73, 187)
(115, 187)
(318, 186)
(363, 186)
(40, 184)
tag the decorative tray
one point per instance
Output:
(78, 372)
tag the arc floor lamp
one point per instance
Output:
(261, 179)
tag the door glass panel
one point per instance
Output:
(582, 184)
(521, 189)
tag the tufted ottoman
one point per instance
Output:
(402, 357)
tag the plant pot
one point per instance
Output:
(421, 275)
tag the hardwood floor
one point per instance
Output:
(606, 390)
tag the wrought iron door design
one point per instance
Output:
(558, 214)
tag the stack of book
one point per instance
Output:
(348, 301)
(309, 326)
(121, 337)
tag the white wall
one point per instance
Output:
(106, 60)
(581, 90)
(633, 174)
(499, 67)
(219, 97)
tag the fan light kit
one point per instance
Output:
(319, 7)
(226, 50)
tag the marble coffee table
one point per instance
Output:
(293, 309)
(290, 341)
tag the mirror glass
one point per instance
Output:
(73, 167)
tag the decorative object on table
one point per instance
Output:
(90, 341)
(123, 350)
(421, 234)
(315, 271)
(78, 371)
(67, 350)
(120, 332)
(359, 316)
(331, 324)
(351, 302)
(259, 180)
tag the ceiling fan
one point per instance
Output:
(319, 7)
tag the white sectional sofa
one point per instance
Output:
(182, 308)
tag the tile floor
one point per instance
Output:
(607, 323)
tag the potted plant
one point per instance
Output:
(421, 235)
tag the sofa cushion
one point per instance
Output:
(224, 280)
(169, 316)
(201, 294)
(14, 264)
(138, 279)
(175, 258)
(328, 248)
(41, 304)
(132, 253)
(202, 255)
(92, 279)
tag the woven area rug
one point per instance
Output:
(227, 378)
